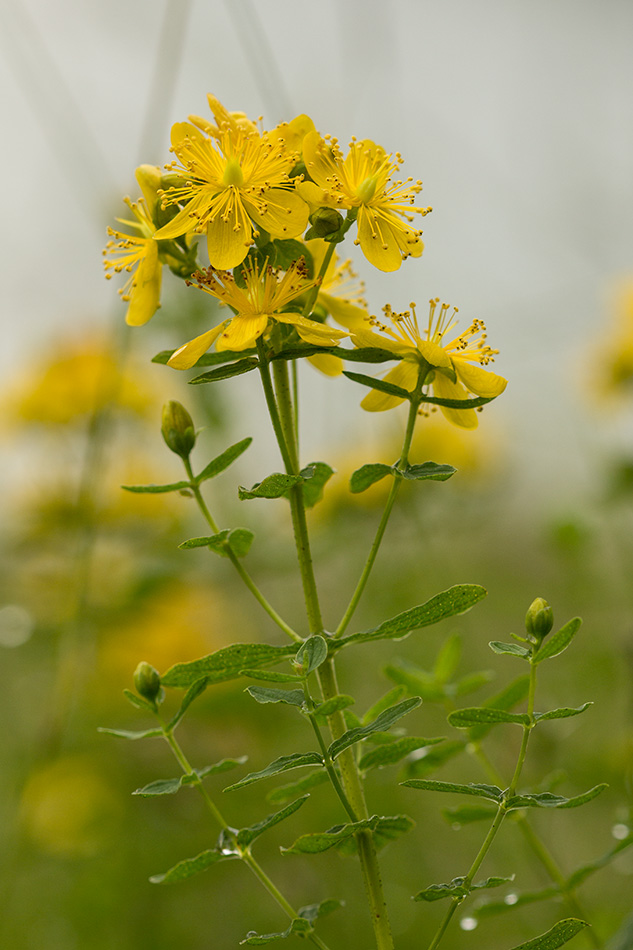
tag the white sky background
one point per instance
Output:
(518, 117)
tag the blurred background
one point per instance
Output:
(518, 118)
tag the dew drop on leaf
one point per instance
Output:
(468, 923)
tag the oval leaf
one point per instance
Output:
(191, 866)
(225, 372)
(293, 761)
(469, 716)
(221, 462)
(246, 836)
(563, 713)
(492, 792)
(430, 470)
(366, 476)
(226, 664)
(312, 653)
(513, 649)
(265, 694)
(384, 755)
(560, 934)
(273, 486)
(382, 723)
(558, 641)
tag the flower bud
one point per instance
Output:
(177, 428)
(150, 179)
(147, 681)
(539, 618)
(325, 221)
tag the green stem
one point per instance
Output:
(235, 561)
(244, 856)
(393, 493)
(327, 760)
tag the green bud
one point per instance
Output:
(147, 681)
(539, 619)
(177, 428)
(325, 221)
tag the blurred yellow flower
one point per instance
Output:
(227, 181)
(137, 255)
(261, 300)
(614, 357)
(453, 374)
(363, 180)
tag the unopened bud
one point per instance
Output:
(325, 221)
(539, 619)
(177, 428)
(147, 681)
(150, 180)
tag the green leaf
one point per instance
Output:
(418, 682)
(430, 761)
(313, 911)
(162, 786)
(238, 539)
(491, 792)
(367, 475)
(271, 676)
(192, 693)
(428, 470)
(513, 694)
(366, 354)
(138, 701)
(513, 649)
(293, 761)
(472, 682)
(457, 888)
(156, 489)
(386, 830)
(561, 933)
(246, 836)
(389, 699)
(221, 462)
(383, 722)
(471, 715)
(466, 814)
(459, 403)
(448, 659)
(207, 359)
(191, 866)
(226, 664)
(224, 765)
(284, 792)
(563, 713)
(288, 250)
(312, 653)
(549, 800)
(225, 372)
(559, 641)
(298, 926)
(582, 873)
(339, 835)
(455, 600)
(384, 755)
(273, 486)
(315, 483)
(378, 384)
(264, 694)
(126, 734)
(332, 705)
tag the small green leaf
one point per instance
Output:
(126, 734)
(428, 470)
(459, 403)
(156, 489)
(563, 713)
(472, 682)
(216, 358)
(265, 694)
(510, 696)
(293, 761)
(366, 354)
(471, 715)
(561, 933)
(559, 641)
(239, 540)
(221, 462)
(162, 786)
(431, 760)
(246, 836)
(315, 483)
(389, 699)
(191, 866)
(378, 384)
(386, 830)
(284, 792)
(384, 755)
(491, 792)
(299, 926)
(466, 814)
(224, 765)
(271, 676)
(195, 690)
(225, 372)
(138, 701)
(332, 705)
(226, 664)
(273, 486)
(549, 800)
(313, 911)
(366, 476)
(418, 682)
(383, 722)
(448, 659)
(457, 888)
(449, 603)
(512, 649)
(340, 834)
(312, 653)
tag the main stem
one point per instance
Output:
(283, 423)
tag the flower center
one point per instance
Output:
(233, 173)
(366, 190)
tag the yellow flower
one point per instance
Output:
(227, 182)
(260, 301)
(363, 180)
(235, 120)
(613, 356)
(137, 255)
(454, 370)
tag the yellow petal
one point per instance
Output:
(185, 356)
(185, 130)
(309, 330)
(445, 389)
(318, 159)
(361, 336)
(328, 364)
(226, 244)
(435, 355)
(149, 178)
(377, 241)
(405, 375)
(478, 380)
(286, 214)
(348, 314)
(145, 298)
(242, 332)
(183, 222)
(317, 197)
